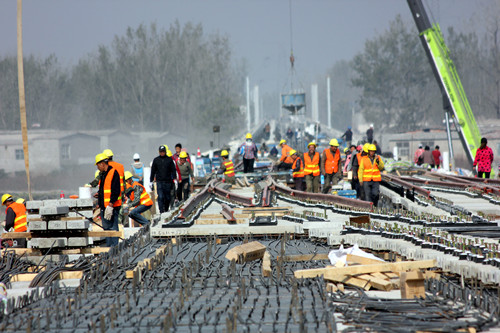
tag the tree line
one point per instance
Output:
(391, 81)
(178, 79)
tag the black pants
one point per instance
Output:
(486, 174)
(284, 166)
(248, 165)
(183, 189)
(163, 190)
(300, 185)
(372, 191)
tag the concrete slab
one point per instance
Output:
(34, 204)
(37, 225)
(77, 225)
(54, 210)
(44, 243)
(84, 203)
(56, 225)
(78, 241)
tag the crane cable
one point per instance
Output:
(292, 58)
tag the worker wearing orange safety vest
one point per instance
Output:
(15, 218)
(297, 170)
(227, 167)
(330, 165)
(311, 168)
(140, 201)
(369, 174)
(121, 171)
(285, 161)
(109, 196)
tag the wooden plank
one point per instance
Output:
(70, 275)
(95, 250)
(305, 257)
(356, 282)
(377, 283)
(360, 219)
(26, 277)
(336, 273)
(351, 258)
(29, 235)
(21, 251)
(380, 276)
(246, 252)
(266, 265)
(71, 251)
(331, 287)
(391, 275)
(412, 285)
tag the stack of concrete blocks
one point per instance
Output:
(52, 224)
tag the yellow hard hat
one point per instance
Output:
(108, 152)
(372, 147)
(100, 157)
(183, 154)
(169, 153)
(20, 201)
(224, 153)
(96, 173)
(346, 149)
(334, 142)
(128, 175)
(312, 143)
(365, 147)
(5, 197)
(249, 136)
(282, 142)
(293, 151)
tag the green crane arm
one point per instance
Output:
(454, 99)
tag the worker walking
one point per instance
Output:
(137, 169)
(185, 176)
(330, 165)
(285, 161)
(297, 170)
(483, 159)
(248, 150)
(109, 196)
(356, 162)
(117, 166)
(140, 201)
(15, 218)
(311, 168)
(369, 134)
(164, 173)
(347, 136)
(369, 174)
(227, 168)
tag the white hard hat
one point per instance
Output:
(371, 125)
(137, 156)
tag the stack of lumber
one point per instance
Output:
(373, 274)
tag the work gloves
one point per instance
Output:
(108, 213)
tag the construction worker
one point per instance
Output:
(173, 188)
(137, 169)
(330, 165)
(117, 166)
(311, 168)
(164, 173)
(297, 170)
(248, 150)
(285, 161)
(227, 167)
(362, 151)
(15, 218)
(369, 174)
(347, 136)
(140, 201)
(109, 196)
(185, 176)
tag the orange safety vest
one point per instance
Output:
(311, 166)
(121, 171)
(145, 199)
(20, 222)
(300, 173)
(285, 154)
(371, 171)
(332, 162)
(229, 172)
(107, 190)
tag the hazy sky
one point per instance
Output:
(259, 30)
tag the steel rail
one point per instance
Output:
(333, 199)
(407, 185)
(440, 183)
(194, 201)
(244, 201)
(228, 213)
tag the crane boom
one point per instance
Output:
(455, 101)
